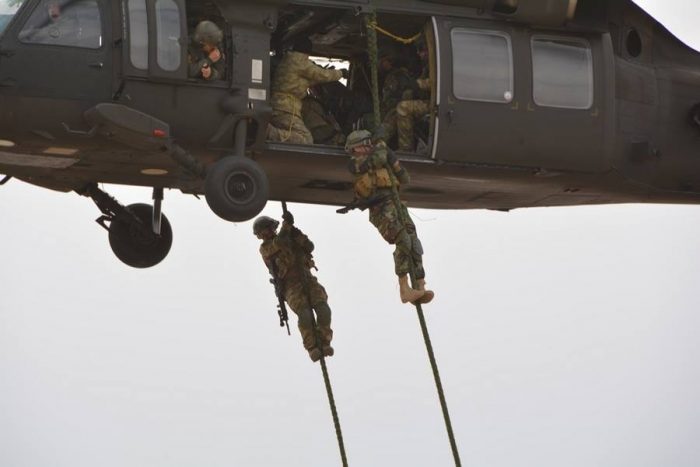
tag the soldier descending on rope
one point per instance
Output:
(288, 257)
(377, 173)
(295, 74)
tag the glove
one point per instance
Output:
(345, 73)
(403, 177)
(378, 159)
(288, 217)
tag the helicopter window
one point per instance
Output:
(482, 65)
(8, 9)
(562, 73)
(66, 22)
(168, 27)
(138, 34)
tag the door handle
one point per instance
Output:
(450, 116)
(7, 53)
(97, 65)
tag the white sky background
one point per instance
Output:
(564, 337)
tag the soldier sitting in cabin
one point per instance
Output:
(288, 257)
(413, 105)
(293, 77)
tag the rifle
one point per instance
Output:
(281, 306)
(362, 204)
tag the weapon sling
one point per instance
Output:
(326, 377)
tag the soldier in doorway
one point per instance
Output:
(206, 59)
(288, 257)
(378, 175)
(411, 110)
(293, 77)
(396, 86)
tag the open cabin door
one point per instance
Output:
(513, 96)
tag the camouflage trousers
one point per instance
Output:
(304, 297)
(288, 128)
(385, 217)
(407, 114)
(389, 125)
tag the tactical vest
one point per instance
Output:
(366, 184)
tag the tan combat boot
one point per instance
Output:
(325, 334)
(309, 340)
(315, 354)
(407, 293)
(429, 294)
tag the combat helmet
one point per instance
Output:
(264, 222)
(357, 138)
(207, 32)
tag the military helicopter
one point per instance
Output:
(533, 103)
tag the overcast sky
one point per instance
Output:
(565, 337)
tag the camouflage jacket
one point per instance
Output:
(397, 82)
(294, 75)
(288, 254)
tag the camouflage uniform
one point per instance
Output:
(207, 37)
(294, 75)
(198, 58)
(395, 89)
(323, 126)
(289, 254)
(408, 111)
(374, 176)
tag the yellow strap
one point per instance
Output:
(403, 40)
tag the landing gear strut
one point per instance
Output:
(140, 236)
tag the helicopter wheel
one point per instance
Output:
(135, 244)
(236, 188)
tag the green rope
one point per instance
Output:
(373, 51)
(426, 335)
(331, 402)
(326, 377)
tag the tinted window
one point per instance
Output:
(168, 26)
(8, 8)
(138, 34)
(482, 66)
(72, 23)
(562, 73)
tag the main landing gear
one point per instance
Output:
(236, 187)
(139, 234)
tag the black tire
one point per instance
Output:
(236, 188)
(137, 246)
